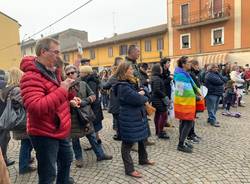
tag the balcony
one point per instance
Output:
(200, 18)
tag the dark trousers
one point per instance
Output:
(160, 121)
(50, 152)
(184, 129)
(4, 141)
(25, 154)
(127, 159)
(116, 123)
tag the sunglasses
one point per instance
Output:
(70, 73)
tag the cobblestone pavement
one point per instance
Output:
(223, 156)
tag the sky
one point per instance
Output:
(100, 18)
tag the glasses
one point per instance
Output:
(70, 73)
(54, 51)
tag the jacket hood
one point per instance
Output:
(28, 64)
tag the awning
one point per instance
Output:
(242, 58)
(220, 58)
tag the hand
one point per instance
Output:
(141, 93)
(66, 84)
(78, 100)
(92, 98)
(73, 103)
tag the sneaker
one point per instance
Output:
(217, 124)
(163, 135)
(79, 163)
(105, 157)
(29, 169)
(184, 148)
(189, 145)
(193, 140)
(149, 143)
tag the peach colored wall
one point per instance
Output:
(204, 32)
(245, 22)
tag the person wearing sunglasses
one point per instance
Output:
(81, 95)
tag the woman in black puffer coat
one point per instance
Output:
(159, 101)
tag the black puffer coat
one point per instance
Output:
(158, 93)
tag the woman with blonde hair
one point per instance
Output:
(87, 75)
(14, 93)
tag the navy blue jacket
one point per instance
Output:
(215, 83)
(133, 125)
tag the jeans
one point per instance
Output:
(184, 129)
(212, 102)
(4, 141)
(25, 154)
(127, 159)
(50, 152)
(97, 148)
(105, 100)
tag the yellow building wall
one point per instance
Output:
(9, 35)
(102, 58)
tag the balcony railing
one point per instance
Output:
(203, 17)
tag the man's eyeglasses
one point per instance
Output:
(70, 73)
(54, 51)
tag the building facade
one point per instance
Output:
(10, 52)
(153, 44)
(70, 38)
(210, 30)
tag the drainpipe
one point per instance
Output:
(200, 27)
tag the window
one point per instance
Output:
(185, 41)
(92, 53)
(123, 50)
(110, 51)
(217, 8)
(32, 50)
(217, 36)
(66, 58)
(160, 44)
(147, 45)
(184, 14)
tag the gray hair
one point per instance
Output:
(69, 67)
(44, 43)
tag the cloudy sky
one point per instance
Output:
(96, 18)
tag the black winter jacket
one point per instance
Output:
(158, 93)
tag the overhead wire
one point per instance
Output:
(50, 25)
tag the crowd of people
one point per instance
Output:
(65, 103)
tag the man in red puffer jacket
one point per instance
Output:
(45, 98)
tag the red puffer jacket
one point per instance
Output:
(45, 101)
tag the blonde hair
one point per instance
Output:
(15, 75)
(86, 69)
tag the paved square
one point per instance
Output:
(222, 157)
